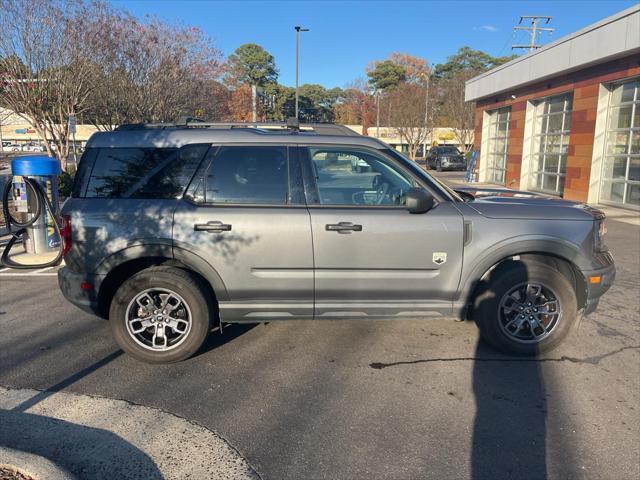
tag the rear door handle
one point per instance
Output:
(343, 227)
(212, 226)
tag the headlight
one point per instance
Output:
(599, 232)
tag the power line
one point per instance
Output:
(534, 29)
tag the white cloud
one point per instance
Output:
(487, 28)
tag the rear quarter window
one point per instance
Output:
(156, 173)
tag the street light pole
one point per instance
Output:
(377, 113)
(426, 117)
(298, 30)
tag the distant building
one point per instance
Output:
(16, 128)
(565, 119)
(439, 136)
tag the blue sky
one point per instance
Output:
(346, 35)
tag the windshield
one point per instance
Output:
(448, 150)
(430, 179)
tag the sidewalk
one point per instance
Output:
(101, 438)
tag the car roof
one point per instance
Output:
(176, 137)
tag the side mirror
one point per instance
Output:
(419, 201)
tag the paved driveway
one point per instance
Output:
(364, 399)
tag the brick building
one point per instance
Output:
(565, 119)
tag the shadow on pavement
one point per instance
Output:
(85, 451)
(509, 429)
(510, 426)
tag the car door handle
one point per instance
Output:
(212, 226)
(343, 227)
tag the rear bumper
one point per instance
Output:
(86, 300)
(607, 276)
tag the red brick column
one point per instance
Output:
(583, 125)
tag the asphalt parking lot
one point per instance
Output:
(348, 399)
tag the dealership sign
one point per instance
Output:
(24, 131)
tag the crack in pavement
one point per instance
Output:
(595, 360)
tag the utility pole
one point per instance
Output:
(298, 29)
(254, 99)
(534, 29)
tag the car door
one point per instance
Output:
(372, 257)
(244, 215)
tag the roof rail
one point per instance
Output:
(290, 126)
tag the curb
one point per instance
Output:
(33, 465)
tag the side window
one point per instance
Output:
(84, 170)
(143, 172)
(248, 175)
(346, 176)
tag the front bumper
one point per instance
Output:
(607, 276)
(453, 166)
(70, 285)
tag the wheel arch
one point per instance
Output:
(127, 263)
(560, 259)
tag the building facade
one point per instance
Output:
(565, 119)
(437, 136)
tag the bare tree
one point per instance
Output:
(407, 107)
(153, 71)
(458, 113)
(45, 72)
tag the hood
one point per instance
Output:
(507, 203)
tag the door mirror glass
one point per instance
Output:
(419, 200)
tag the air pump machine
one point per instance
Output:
(32, 189)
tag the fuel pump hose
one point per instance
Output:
(41, 199)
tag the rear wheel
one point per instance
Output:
(526, 308)
(161, 315)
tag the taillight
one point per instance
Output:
(65, 233)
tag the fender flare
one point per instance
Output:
(539, 245)
(165, 250)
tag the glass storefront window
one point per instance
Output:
(621, 166)
(498, 145)
(552, 121)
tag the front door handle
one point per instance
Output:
(343, 227)
(212, 226)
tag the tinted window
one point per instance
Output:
(143, 172)
(245, 175)
(354, 177)
(84, 169)
(448, 151)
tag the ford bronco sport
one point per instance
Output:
(173, 229)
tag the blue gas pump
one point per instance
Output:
(32, 192)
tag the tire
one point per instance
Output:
(498, 308)
(194, 313)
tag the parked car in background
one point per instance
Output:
(445, 158)
(10, 147)
(33, 147)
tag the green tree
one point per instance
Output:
(385, 75)
(468, 62)
(251, 64)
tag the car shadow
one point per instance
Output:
(216, 339)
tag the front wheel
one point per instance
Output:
(161, 315)
(525, 308)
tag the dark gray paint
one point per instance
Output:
(280, 262)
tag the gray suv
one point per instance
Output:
(172, 230)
